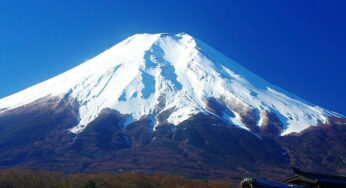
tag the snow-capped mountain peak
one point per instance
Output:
(149, 74)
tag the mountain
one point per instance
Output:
(148, 75)
(168, 103)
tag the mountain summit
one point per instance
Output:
(169, 78)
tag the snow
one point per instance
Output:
(147, 74)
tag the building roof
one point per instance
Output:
(317, 179)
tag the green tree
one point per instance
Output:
(90, 184)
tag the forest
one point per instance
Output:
(22, 178)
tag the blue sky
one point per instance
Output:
(297, 45)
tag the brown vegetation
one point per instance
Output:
(40, 179)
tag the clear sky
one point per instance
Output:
(299, 45)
